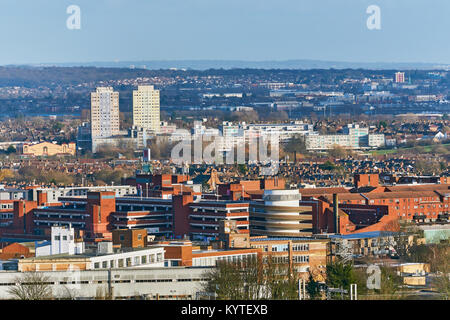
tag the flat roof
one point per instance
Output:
(286, 238)
(370, 234)
(86, 255)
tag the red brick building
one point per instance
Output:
(371, 207)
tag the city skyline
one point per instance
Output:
(267, 151)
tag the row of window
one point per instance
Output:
(57, 238)
(284, 248)
(143, 208)
(300, 247)
(113, 281)
(128, 262)
(59, 223)
(211, 261)
(300, 259)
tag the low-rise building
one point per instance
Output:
(352, 137)
(49, 149)
(304, 255)
(98, 259)
(148, 283)
(184, 253)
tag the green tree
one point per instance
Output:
(328, 165)
(340, 275)
(242, 168)
(11, 149)
(313, 288)
(383, 124)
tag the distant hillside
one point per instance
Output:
(231, 64)
(90, 76)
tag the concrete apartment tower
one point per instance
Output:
(104, 114)
(399, 77)
(146, 108)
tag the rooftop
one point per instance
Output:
(85, 255)
(363, 235)
(285, 239)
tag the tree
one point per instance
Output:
(109, 176)
(11, 149)
(406, 235)
(390, 283)
(57, 126)
(245, 116)
(439, 149)
(106, 151)
(442, 284)
(313, 288)
(242, 168)
(58, 178)
(6, 174)
(296, 144)
(160, 147)
(102, 293)
(205, 186)
(337, 152)
(229, 282)
(252, 279)
(340, 275)
(31, 286)
(277, 116)
(428, 167)
(383, 124)
(446, 129)
(126, 120)
(437, 255)
(328, 165)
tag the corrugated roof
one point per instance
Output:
(418, 187)
(322, 191)
(404, 194)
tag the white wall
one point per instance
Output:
(148, 253)
(163, 281)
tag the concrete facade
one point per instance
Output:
(162, 283)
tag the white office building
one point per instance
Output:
(62, 242)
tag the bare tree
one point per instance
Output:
(442, 284)
(31, 286)
(102, 293)
(253, 279)
(337, 152)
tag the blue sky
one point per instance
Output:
(34, 31)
